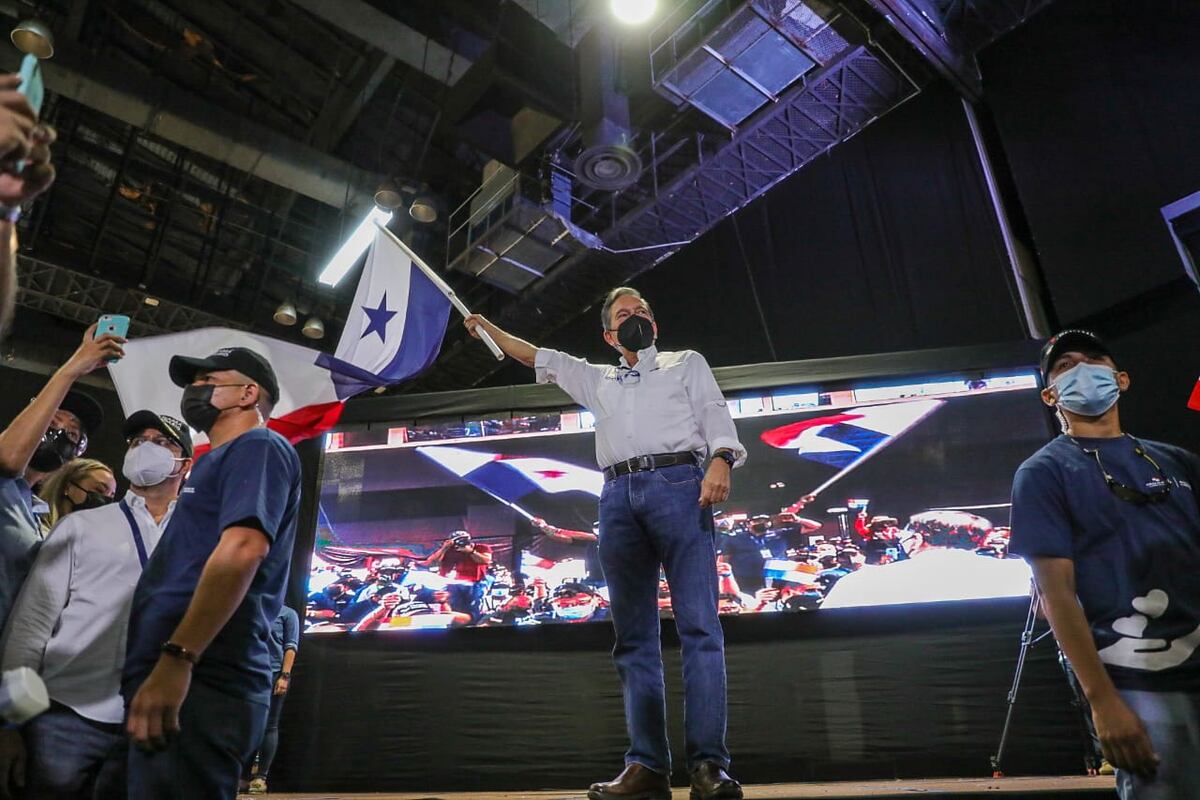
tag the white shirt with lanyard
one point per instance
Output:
(668, 403)
(70, 620)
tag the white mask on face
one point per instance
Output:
(148, 464)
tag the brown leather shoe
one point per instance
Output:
(711, 782)
(634, 783)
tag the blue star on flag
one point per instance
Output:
(378, 319)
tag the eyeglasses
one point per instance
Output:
(1128, 493)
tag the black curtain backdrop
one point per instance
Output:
(833, 695)
(1096, 107)
(886, 243)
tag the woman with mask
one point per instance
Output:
(71, 619)
(79, 485)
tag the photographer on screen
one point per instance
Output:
(1111, 527)
(469, 562)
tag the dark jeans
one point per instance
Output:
(270, 739)
(217, 734)
(72, 758)
(647, 519)
(1172, 720)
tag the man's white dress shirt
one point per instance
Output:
(70, 620)
(668, 403)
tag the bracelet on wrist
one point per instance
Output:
(179, 651)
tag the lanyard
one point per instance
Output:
(137, 534)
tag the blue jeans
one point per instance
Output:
(647, 519)
(72, 758)
(265, 754)
(217, 734)
(1173, 721)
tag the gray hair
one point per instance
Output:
(613, 296)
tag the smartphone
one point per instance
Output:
(32, 85)
(116, 324)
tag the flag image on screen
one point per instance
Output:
(840, 440)
(511, 477)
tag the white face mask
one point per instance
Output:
(148, 464)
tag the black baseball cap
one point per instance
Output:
(170, 427)
(1072, 339)
(183, 369)
(86, 408)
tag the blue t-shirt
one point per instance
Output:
(1137, 567)
(285, 635)
(18, 540)
(253, 481)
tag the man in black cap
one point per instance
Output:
(70, 620)
(197, 678)
(1111, 527)
(52, 430)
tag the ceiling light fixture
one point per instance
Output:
(387, 196)
(33, 37)
(314, 328)
(632, 12)
(424, 209)
(355, 246)
(285, 314)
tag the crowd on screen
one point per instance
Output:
(765, 563)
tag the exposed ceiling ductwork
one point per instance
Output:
(608, 160)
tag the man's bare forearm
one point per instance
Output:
(289, 659)
(223, 584)
(1056, 582)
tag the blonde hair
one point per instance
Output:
(54, 489)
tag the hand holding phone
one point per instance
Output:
(112, 324)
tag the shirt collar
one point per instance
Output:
(647, 359)
(134, 500)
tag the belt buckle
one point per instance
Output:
(644, 463)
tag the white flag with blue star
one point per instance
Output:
(395, 327)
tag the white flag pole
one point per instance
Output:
(444, 288)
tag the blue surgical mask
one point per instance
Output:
(1087, 389)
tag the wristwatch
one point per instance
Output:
(10, 213)
(179, 651)
(726, 456)
(287, 676)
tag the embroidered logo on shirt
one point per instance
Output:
(1134, 652)
(188, 490)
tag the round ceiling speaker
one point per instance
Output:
(608, 167)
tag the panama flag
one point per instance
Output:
(841, 440)
(393, 331)
(511, 478)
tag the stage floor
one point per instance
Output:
(1079, 786)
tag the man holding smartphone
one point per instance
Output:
(22, 141)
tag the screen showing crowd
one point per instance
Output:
(859, 495)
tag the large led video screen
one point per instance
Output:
(852, 495)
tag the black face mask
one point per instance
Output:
(197, 408)
(635, 333)
(55, 449)
(92, 500)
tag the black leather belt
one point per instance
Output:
(645, 463)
